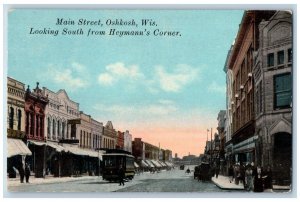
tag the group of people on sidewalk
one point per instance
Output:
(254, 178)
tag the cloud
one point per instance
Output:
(174, 81)
(162, 107)
(214, 87)
(76, 76)
(118, 71)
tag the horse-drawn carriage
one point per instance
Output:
(202, 172)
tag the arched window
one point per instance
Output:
(31, 124)
(53, 129)
(19, 119)
(37, 119)
(58, 129)
(11, 118)
(48, 127)
(63, 129)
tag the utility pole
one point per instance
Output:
(211, 146)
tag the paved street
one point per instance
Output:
(165, 181)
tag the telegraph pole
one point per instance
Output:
(211, 146)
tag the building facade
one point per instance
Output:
(120, 140)
(59, 110)
(127, 141)
(109, 136)
(16, 137)
(35, 106)
(151, 151)
(273, 95)
(89, 132)
(228, 147)
(241, 63)
(15, 108)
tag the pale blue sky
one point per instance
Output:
(136, 82)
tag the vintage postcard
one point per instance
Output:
(160, 100)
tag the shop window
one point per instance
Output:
(280, 57)
(270, 59)
(282, 91)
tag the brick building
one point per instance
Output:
(272, 75)
(241, 64)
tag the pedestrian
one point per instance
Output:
(21, 172)
(248, 178)
(121, 175)
(27, 172)
(237, 174)
(258, 181)
(268, 178)
(230, 173)
(217, 170)
(242, 173)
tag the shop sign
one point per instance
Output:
(15, 133)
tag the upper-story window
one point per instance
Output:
(290, 55)
(11, 118)
(270, 59)
(19, 119)
(280, 57)
(282, 91)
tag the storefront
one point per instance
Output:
(16, 154)
(244, 152)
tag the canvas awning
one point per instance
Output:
(156, 163)
(144, 164)
(57, 147)
(17, 147)
(149, 163)
(169, 164)
(82, 152)
(162, 163)
(38, 143)
(136, 165)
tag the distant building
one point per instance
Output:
(120, 140)
(109, 136)
(127, 141)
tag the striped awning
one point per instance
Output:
(136, 165)
(144, 164)
(150, 164)
(156, 163)
(17, 147)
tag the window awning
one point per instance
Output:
(162, 163)
(38, 143)
(17, 147)
(169, 164)
(150, 164)
(156, 163)
(57, 147)
(144, 164)
(136, 165)
(83, 152)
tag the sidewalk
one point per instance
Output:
(223, 182)
(46, 180)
